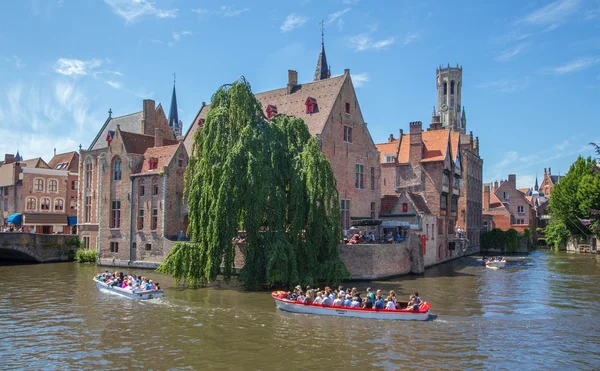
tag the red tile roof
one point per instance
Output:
(388, 148)
(139, 143)
(435, 145)
(454, 140)
(163, 154)
(70, 158)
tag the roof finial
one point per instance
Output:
(173, 78)
(322, 31)
(109, 113)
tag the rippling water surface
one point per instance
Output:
(542, 312)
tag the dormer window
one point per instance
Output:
(311, 105)
(271, 111)
(152, 163)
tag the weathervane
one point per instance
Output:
(322, 23)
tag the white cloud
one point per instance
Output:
(131, 10)
(507, 85)
(178, 35)
(360, 79)
(512, 52)
(552, 15)
(293, 21)
(200, 11)
(114, 84)
(337, 15)
(410, 37)
(229, 11)
(16, 60)
(364, 42)
(573, 66)
(75, 67)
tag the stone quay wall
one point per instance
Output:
(41, 248)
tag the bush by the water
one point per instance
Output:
(504, 240)
(86, 256)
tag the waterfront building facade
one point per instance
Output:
(330, 108)
(507, 206)
(549, 181)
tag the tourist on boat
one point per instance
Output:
(393, 296)
(339, 301)
(368, 303)
(390, 303)
(412, 304)
(354, 303)
(347, 301)
(379, 304)
(370, 295)
(301, 297)
(327, 300)
(418, 298)
(311, 291)
(390, 237)
(319, 299)
(309, 297)
(341, 290)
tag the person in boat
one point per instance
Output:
(309, 297)
(347, 301)
(356, 295)
(393, 296)
(319, 299)
(379, 304)
(368, 303)
(327, 300)
(157, 286)
(389, 237)
(412, 304)
(370, 295)
(417, 297)
(390, 305)
(311, 291)
(341, 290)
(339, 301)
(354, 303)
(301, 297)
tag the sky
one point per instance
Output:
(531, 69)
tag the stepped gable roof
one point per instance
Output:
(36, 162)
(66, 161)
(139, 143)
(325, 92)
(387, 203)
(420, 203)
(163, 154)
(131, 123)
(387, 148)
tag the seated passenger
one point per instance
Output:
(379, 304)
(339, 301)
(319, 299)
(327, 301)
(418, 298)
(368, 304)
(390, 303)
(309, 297)
(157, 286)
(370, 294)
(152, 286)
(347, 301)
(355, 303)
(301, 297)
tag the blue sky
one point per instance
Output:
(531, 69)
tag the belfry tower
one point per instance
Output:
(449, 86)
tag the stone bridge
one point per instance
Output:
(39, 248)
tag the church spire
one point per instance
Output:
(322, 72)
(173, 115)
(536, 184)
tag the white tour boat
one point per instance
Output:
(141, 295)
(495, 264)
(404, 314)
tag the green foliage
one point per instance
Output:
(508, 241)
(268, 178)
(575, 196)
(556, 233)
(512, 240)
(72, 242)
(86, 256)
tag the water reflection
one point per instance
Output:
(540, 310)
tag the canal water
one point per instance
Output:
(541, 312)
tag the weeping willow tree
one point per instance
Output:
(267, 178)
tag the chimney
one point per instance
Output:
(391, 138)
(544, 171)
(512, 179)
(158, 139)
(401, 133)
(292, 81)
(416, 142)
(486, 196)
(495, 185)
(54, 151)
(549, 171)
(9, 158)
(346, 71)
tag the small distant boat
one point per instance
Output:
(287, 305)
(495, 264)
(141, 295)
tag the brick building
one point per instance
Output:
(549, 181)
(43, 194)
(132, 187)
(508, 206)
(329, 107)
(442, 166)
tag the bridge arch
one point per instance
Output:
(12, 252)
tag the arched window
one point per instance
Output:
(88, 173)
(451, 87)
(117, 169)
(45, 204)
(31, 203)
(445, 88)
(38, 184)
(59, 204)
(52, 185)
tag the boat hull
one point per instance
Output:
(406, 315)
(496, 265)
(144, 295)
